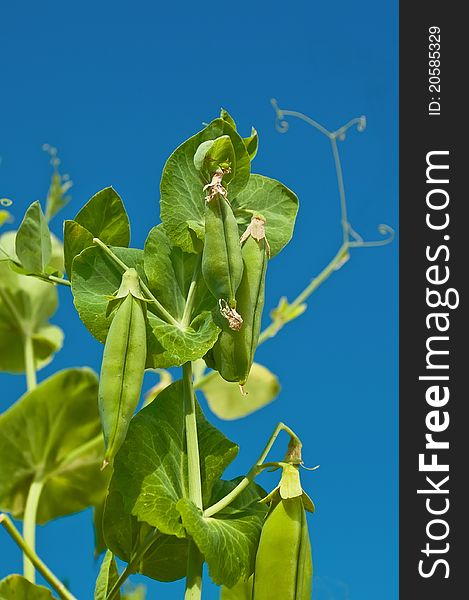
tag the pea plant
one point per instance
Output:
(191, 299)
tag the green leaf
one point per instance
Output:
(275, 202)
(229, 539)
(286, 312)
(225, 115)
(53, 435)
(33, 243)
(5, 217)
(171, 346)
(16, 587)
(56, 262)
(107, 577)
(226, 400)
(76, 239)
(99, 542)
(138, 592)
(165, 560)
(26, 304)
(8, 253)
(165, 379)
(104, 217)
(241, 591)
(216, 154)
(182, 196)
(56, 196)
(7, 247)
(150, 470)
(169, 271)
(123, 534)
(95, 277)
(252, 144)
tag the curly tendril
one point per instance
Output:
(351, 238)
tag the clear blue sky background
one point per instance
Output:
(117, 86)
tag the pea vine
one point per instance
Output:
(191, 299)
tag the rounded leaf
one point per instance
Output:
(275, 202)
(33, 242)
(165, 559)
(52, 435)
(182, 195)
(104, 216)
(16, 587)
(96, 277)
(26, 304)
(226, 400)
(229, 539)
(107, 577)
(150, 470)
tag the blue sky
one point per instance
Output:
(116, 87)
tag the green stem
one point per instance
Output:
(29, 362)
(59, 280)
(130, 568)
(194, 561)
(254, 471)
(35, 489)
(150, 297)
(186, 317)
(192, 440)
(335, 264)
(29, 527)
(37, 562)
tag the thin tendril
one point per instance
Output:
(351, 238)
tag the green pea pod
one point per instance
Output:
(241, 591)
(123, 364)
(233, 354)
(283, 561)
(222, 263)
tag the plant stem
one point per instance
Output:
(335, 264)
(194, 561)
(35, 489)
(192, 440)
(254, 471)
(151, 298)
(130, 568)
(36, 561)
(29, 362)
(186, 317)
(59, 280)
(29, 527)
